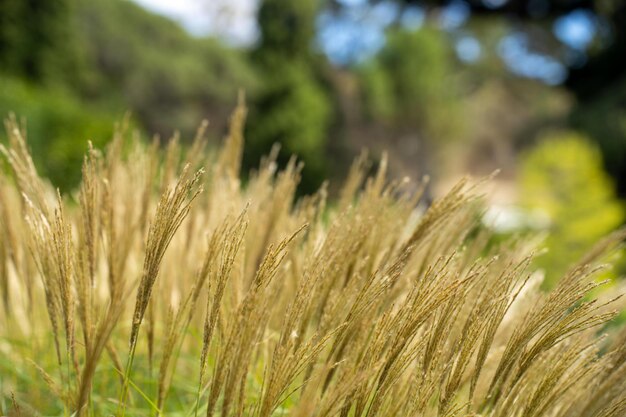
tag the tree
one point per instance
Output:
(409, 90)
(36, 39)
(72, 67)
(416, 70)
(292, 107)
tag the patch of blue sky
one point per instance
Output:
(345, 40)
(514, 51)
(234, 21)
(413, 17)
(385, 12)
(468, 49)
(356, 33)
(576, 29)
(454, 15)
(352, 3)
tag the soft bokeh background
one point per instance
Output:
(535, 88)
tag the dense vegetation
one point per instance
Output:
(100, 59)
(162, 288)
(292, 107)
(78, 60)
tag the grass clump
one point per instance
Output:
(164, 288)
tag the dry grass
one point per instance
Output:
(161, 289)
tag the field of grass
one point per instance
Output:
(164, 288)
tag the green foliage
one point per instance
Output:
(292, 108)
(37, 39)
(58, 127)
(287, 30)
(69, 62)
(563, 178)
(116, 54)
(411, 84)
(151, 66)
(377, 86)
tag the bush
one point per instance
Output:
(58, 127)
(151, 296)
(562, 177)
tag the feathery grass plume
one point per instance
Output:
(172, 209)
(5, 240)
(50, 241)
(608, 383)
(234, 358)
(216, 268)
(25, 173)
(219, 260)
(16, 407)
(378, 307)
(90, 205)
(25, 184)
(230, 157)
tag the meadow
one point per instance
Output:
(164, 285)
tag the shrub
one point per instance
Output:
(563, 178)
(159, 288)
(56, 122)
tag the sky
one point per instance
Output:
(232, 20)
(359, 31)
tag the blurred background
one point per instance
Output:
(535, 88)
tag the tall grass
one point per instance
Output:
(164, 288)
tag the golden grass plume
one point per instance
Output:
(251, 301)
